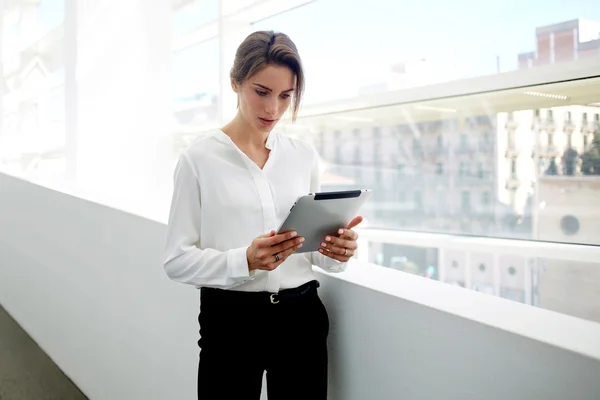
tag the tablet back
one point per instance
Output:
(317, 215)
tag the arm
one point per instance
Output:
(184, 261)
(316, 258)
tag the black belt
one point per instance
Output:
(232, 296)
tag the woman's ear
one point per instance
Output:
(234, 86)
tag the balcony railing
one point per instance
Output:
(549, 150)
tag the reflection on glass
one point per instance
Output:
(33, 96)
(388, 46)
(195, 89)
(568, 287)
(489, 155)
(189, 15)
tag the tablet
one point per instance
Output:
(317, 215)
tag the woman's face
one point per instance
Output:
(265, 96)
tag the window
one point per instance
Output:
(550, 115)
(439, 168)
(337, 136)
(584, 117)
(513, 167)
(440, 141)
(568, 116)
(463, 141)
(465, 201)
(550, 139)
(485, 198)
(357, 146)
(377, 156)
(462, 169)
(416, 146)
(418, 200)
(597, 117)
(480, 172)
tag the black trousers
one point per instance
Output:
(244, 334)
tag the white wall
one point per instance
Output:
(86, 282)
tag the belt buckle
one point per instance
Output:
(273, 299)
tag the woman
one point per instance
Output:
(259, 308)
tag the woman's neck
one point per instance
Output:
(243, 135)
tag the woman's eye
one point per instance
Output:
(285, 96)
(260, 93)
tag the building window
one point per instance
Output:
(440, 142)
(536, 113)
(585, 140)
(480, 172)
(513, 167)
(463, 141)
(377, 145)
(550, 115)
(337, 136)
(462, 169)
(418, 200)
(466, 200)
(439, 169)
(356, 134)
(416, 146)
(486, 198)
(568, 116)
(597, 117)
(584, 118)
(401, 197)
(550, 139)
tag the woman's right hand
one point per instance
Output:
(268, 251)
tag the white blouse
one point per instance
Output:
(222, 200)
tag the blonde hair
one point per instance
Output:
(264, 48)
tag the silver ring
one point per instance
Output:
(276, 257)
(345, 251)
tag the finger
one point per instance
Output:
(345, 250)
(282, 247)
(283, 255)
(355, 222)
(337, 256)
(275, 239)
(332, 241)
(348, 234)
(268, 234)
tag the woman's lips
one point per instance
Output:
(266, 122)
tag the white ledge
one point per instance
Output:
(559, 330)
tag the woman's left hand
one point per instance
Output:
(344, 246)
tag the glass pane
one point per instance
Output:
(189, 15)
(195, 88)
(563, 286)
(568, 287)
(536, 189)
(33, 95)
(387, 45)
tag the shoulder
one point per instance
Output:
(301, 146)
(202, 149)
(206, 143)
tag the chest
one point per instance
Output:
(258, 157)
(240, 192)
